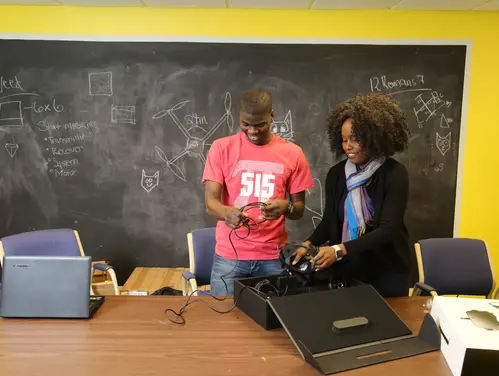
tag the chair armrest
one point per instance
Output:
(189, 284)
(423, 287)
(102, 267)
(188, 276)
(108, 269)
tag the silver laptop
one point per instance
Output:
(47, 287)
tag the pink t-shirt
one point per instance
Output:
(252, 173)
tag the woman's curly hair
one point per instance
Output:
(378, 125)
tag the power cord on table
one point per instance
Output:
(250, 225)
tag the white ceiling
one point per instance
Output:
(280, 4)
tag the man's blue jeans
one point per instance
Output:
(245, 268)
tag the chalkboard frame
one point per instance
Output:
(468, 43)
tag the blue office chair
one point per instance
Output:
(201, 244)
(454, 266)
(54, 242)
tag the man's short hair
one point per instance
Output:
(256, 102)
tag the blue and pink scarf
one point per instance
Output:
(359, 208)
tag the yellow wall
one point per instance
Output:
(480, 208)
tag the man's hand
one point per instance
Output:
(231, 215)
(325, 257)
(234, 217)
(273, 209)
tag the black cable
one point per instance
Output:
(279, 286)
(250, 225)
(286, 290)
(264, 282)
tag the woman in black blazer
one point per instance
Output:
(362, 233)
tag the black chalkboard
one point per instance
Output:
(109, 138)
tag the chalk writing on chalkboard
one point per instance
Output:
(11, 83)
(63, 144)
(53, 106)
(440, 167)
(379, 84)
(195, 122)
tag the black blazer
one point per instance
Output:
(384, 249)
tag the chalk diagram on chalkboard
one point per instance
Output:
(149, 182)
(100, 83)
(428, 107)
(11, 149)
(283, 128)
(11, 114)
(123, 114)
(443, 143)
(444, 121)
(194, 145)
(317, 215)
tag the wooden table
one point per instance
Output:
(129, 336)
(144, 281)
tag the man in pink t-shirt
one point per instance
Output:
(251, 166)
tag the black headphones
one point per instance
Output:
(305, 267)
(304, 271)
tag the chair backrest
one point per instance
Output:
(56, 242)
(455, 266)
(201, 245)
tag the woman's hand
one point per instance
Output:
(300, 252)
(325, 258)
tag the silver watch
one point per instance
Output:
(339, 252)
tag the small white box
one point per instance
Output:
(468, 349)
